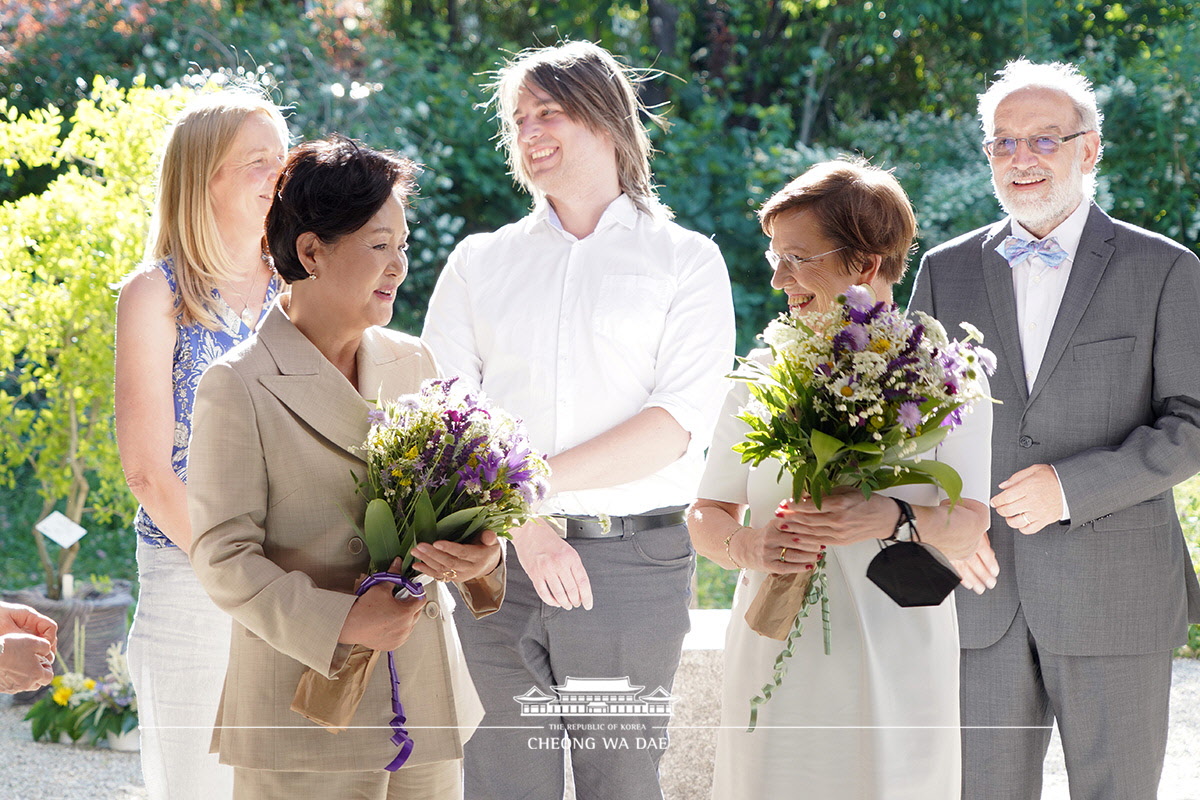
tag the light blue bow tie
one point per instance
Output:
(1018, 250)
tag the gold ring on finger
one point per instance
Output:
(449, 574)
(782, 554)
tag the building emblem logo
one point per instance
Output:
(596, 697)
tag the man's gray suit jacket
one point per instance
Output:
(1115, 408)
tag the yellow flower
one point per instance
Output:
(412, 452)
(56, 681)
(846, 391)
(62, 694)
(881, 345)
(89, 684)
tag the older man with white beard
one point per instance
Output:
(1094, 321)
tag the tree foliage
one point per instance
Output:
(61, 250)
(757, 90)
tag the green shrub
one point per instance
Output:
(63, 249)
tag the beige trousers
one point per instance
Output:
(438, 781)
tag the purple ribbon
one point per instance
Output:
(400, 736)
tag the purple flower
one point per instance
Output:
(484, 473)
(376, 416)
(852, 337)
(987, 358)
(859, 298)
(953, 419)
(909, 415)
(914, 339)
(901, 361)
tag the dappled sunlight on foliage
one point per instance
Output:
(63, 250)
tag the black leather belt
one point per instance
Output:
(624, 527)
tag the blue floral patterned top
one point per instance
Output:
(195, 348)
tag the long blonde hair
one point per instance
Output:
(183, 227)
(594, 89)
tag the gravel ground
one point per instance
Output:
(38, 771)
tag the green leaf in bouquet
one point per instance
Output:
(407, 542)
(460, 519)
(943, 475)
(424, 518)
(441, 498)
(379, 532)
(907, 448)
(824, 447)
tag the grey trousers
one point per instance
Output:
(1111, 711)
(635, 630)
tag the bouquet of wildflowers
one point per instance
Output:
(853, 397)
(443, 464)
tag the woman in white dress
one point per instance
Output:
(877, 718)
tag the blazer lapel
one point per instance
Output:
(311, 387)
(997, 277)
(1095, 251)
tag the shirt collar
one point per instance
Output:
(1068, 232)
(621, 211)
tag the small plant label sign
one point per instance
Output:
(60, 530)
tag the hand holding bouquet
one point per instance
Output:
(853, 397)
(442, 465)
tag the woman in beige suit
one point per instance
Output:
(275, 453)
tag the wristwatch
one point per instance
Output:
(906, 528)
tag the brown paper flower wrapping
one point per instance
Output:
(332, 702)
(777, 603)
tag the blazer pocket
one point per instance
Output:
(1148, 514)
(1108, 347)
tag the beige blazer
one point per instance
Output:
(273, 462)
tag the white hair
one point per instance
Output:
(1059, 77)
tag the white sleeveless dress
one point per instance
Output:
(878, 718)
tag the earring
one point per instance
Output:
(312, 276)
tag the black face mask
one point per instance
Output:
(912, 574)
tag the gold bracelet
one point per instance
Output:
(729, 539)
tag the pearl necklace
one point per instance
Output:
(250, 315)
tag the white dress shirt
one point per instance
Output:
(1039, 289)
(576, 336)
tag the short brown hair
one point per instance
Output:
(594, 89)
(858, 206)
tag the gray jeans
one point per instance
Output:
(635, 630)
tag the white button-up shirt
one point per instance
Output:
(575, 336)
(1039, 291)
(1039, 288)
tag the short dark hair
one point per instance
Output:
(330, 187)
(858, 206)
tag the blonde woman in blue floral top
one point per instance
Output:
(205, 288)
